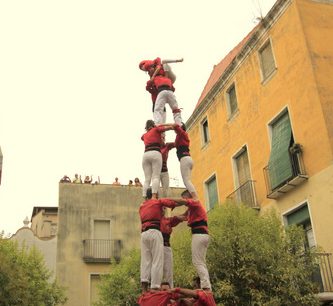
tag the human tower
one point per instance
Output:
(156, 267)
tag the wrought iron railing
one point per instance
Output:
(101, 250)
(245, 194)
(298, 174)
(324, 277)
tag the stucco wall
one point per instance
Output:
(47, 247)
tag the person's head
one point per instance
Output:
(196, 282)
(136, 180)
(145, 65)
(130, 182)
(149, 124)
(76, 175)
(165, 286)
(116, 179)
(186, 195)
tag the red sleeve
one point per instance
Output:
(168, 203)
(160, 128)
(174, 221)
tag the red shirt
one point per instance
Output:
(151, 210)
(204, 298)
(158, 298)
(151, 88)
(182, 138)
(196, 212)
(165, 153)
(153, 135)
(161, 80)
(168, 223)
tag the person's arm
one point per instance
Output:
(185, 292)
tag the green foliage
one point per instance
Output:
(24, 279)
(252, 260)
(122, 285)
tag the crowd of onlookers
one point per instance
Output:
(89, 180)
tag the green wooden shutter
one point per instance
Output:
(279, 165)
(299, 217)
(212, 193)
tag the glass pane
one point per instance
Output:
(212, 193)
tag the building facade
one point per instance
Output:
(262, 130)
(97, 225)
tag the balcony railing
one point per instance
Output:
(324, 276)
(101, 250)
(245, 194)
(298, 174)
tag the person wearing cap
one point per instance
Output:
(152, 157)
(152, 254)
(161, 88)
(182, 143)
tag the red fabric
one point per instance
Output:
(182, 138)
(204, 298)
(165, 150)
(159, 298)
(196, 212)
(161, 80)
(152, 210)
(168, 223)
(153, 135)
(151, 88)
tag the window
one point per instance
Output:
(211, 189)
(267, 62)
(102, 245)
(243, 178)
(232, 100)
(301, 217)
(280, 164)
(94, 282)
(205, 131)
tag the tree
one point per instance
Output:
(252, 259)
(122, 285)
(24, 279)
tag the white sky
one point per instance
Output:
(72, 98)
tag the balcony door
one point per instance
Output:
(102, 238)
(243, 178)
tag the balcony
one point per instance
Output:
(297, 177)
(101, 250)
(324, 277)
(245, 194)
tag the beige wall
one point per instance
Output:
(44, 223)
(79, 206)
(47, 247)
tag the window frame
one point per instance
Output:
(206, 183)
(265, 78)
(205, 135)
(231, 113)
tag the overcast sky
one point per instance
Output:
(72, 99)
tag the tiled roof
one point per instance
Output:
(219, 69)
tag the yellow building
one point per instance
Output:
(262, 130)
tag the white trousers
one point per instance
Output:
(166, 97)
(186, 165)
(199, 249)
(152, 256)
(165, 181)
(168, 266)
(151, 164)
